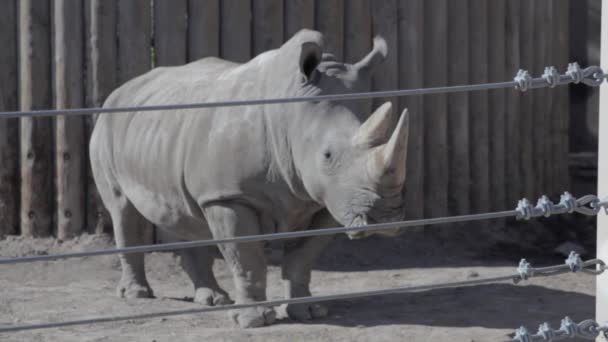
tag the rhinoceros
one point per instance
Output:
(231, 171)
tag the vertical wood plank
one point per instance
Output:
(526, 128)
(479, 124)
(561, 107)
(435, 108)
(267, 25)
(514, 179)
(134, 55)
(549, 163)
(170, 32)
(357, 30)
(496, 105)
(358, 40)
(101, 80)
(236, 30)
(411, 66)
(539, 108)
(385, 24)
(69, 131)
(458, 108)
(9, 188)
(203, 28)
(35, 133)
(299, 14)
(133, 32)
(329, 17)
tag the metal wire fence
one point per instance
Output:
(587, 205)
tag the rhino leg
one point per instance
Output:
(246, 260)
(198, 263)
(296, 268)
(128, 223)
(299, 258)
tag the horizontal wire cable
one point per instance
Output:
(236, 103)
(263, 237)
(591, 76)
(515, 277)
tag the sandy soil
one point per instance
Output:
(84, 288)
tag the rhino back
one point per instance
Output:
(169, 162)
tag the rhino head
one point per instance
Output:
(345, 159)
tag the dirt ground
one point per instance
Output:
(84, 288)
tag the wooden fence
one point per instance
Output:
(469, 152)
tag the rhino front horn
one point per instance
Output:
(394, 152)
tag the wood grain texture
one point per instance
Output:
(299, 14)
(358, 40)
(101, 80)
(329, 19)
(36, 135)
(385, 24)
(514, 179)
(479, 121)
(497, 105)
(539, 98)
(69, 131)
(9, 147)
(268, 25)
(411, 65)
(134, 55)
(236, 22)
(458, 109)
(561, 105)
(203, 28)
(133, 32)
(435, 109)
(527, 54)
(170, 32)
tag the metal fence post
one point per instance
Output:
(602, 221)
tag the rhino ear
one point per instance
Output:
(310, 57)
(374, 57)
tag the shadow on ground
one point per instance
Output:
(496, 306)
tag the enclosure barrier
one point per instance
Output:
(591, 76)
(523, 272)
(587, 205)
(587, 329)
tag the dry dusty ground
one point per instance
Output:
(83, 288)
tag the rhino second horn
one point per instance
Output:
(374, 131)
(394, 152)
(375, 57)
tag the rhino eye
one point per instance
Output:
(327, 155)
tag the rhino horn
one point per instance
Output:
(392, 156)
(374, 58)
(374, 130)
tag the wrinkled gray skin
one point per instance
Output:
(225, 172)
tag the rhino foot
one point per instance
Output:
(303, 312)
(253, 317)
(207, 296)
(132, 290)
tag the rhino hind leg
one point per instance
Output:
(299, 257)
(246, 261)
(198, 263)
(128, 224)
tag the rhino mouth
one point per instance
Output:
(358, 221)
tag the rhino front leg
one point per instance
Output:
(300, 256)
(198, 263)
(246, 260)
